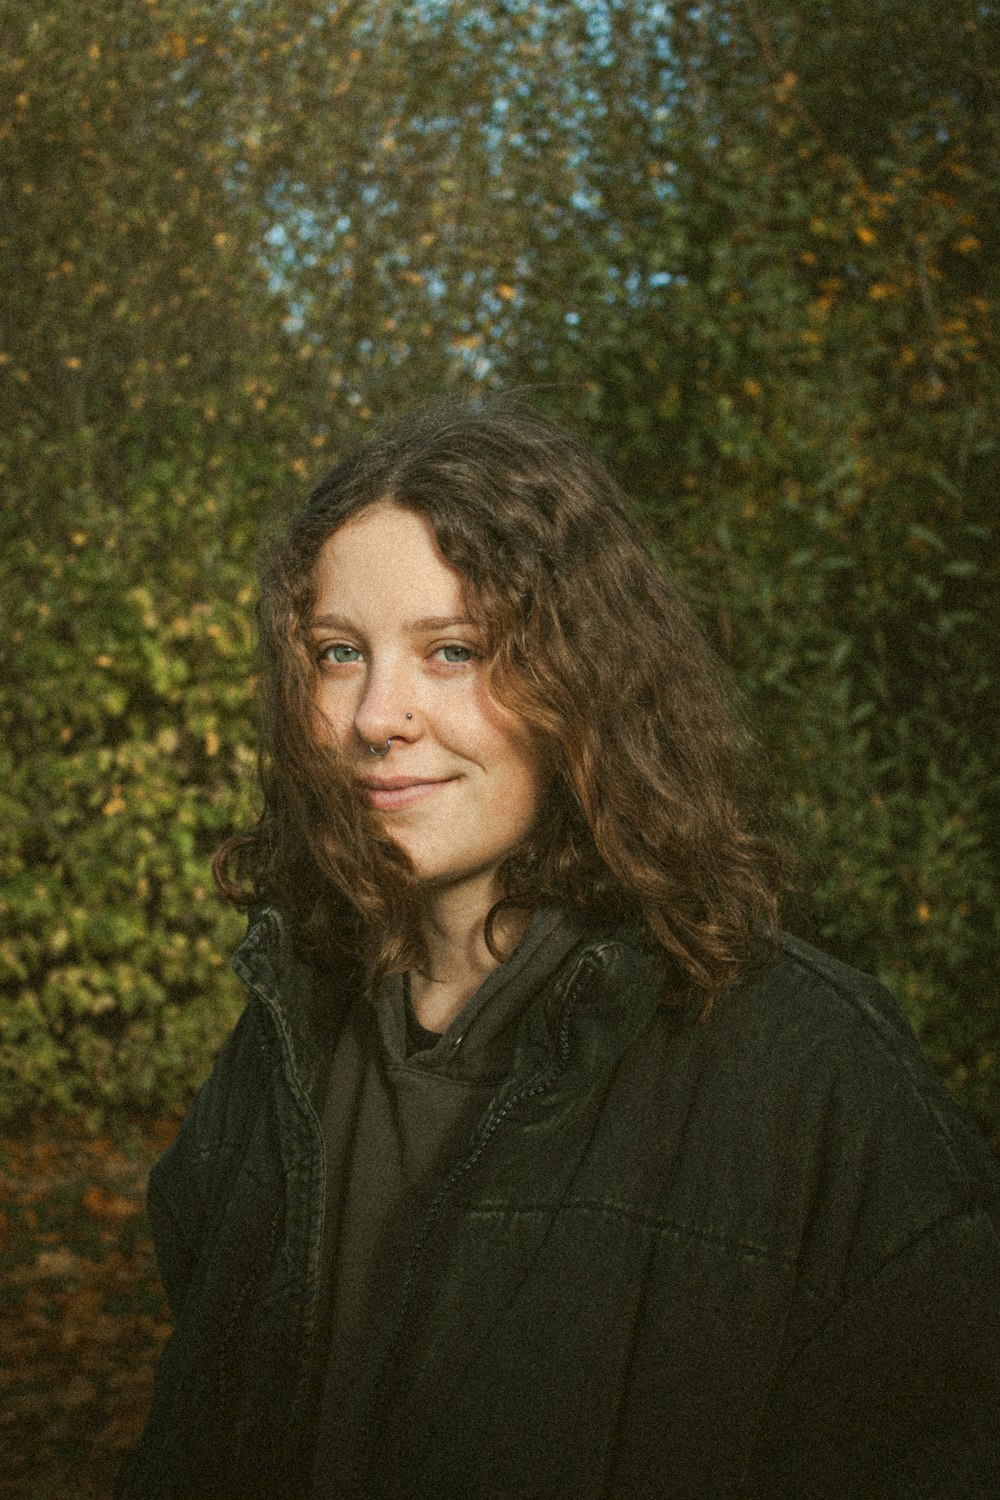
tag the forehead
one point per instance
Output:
(386, 559)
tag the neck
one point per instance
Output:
(456, 945)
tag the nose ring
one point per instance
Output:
(374, 749)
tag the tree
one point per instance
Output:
(750, 250)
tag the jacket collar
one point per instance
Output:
(304, 1000)
(603, 995)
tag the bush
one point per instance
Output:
(128, 755)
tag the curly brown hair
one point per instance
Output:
(652, 814)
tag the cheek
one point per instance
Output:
(331, 721)
(518, 814)
(522, 765)
(531, 782)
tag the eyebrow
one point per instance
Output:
(428, 622)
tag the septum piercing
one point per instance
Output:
(388, 744)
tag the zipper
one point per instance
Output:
(539, 1084)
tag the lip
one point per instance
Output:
(389, 793)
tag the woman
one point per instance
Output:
(538, 1165)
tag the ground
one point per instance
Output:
(82, 1313)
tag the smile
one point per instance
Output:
(390, 793)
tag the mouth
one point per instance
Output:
(389, 793)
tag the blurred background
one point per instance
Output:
(747, 249)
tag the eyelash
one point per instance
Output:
(469, 657)
(325, 658)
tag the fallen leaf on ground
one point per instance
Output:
(82, 1312)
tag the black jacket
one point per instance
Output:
(756, 1256)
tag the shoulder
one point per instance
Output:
(808, 1021)
(214, 1131)
(804, 1108)
(835, 996)
(840, 1042)
(841, 1035)
(274, 1059)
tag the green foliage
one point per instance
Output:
(750, 251)
(127, 757)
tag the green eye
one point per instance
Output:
(340, 654)
(456, 655)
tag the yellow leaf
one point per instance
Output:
(506, 291)
(865, 235)
(211, 743)
(106, 1205)
(753, 387)
(59, 1262)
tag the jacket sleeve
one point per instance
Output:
(188, 1184)
(898, 1392)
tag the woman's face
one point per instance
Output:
(400, 662)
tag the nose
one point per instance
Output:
(386, 709)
